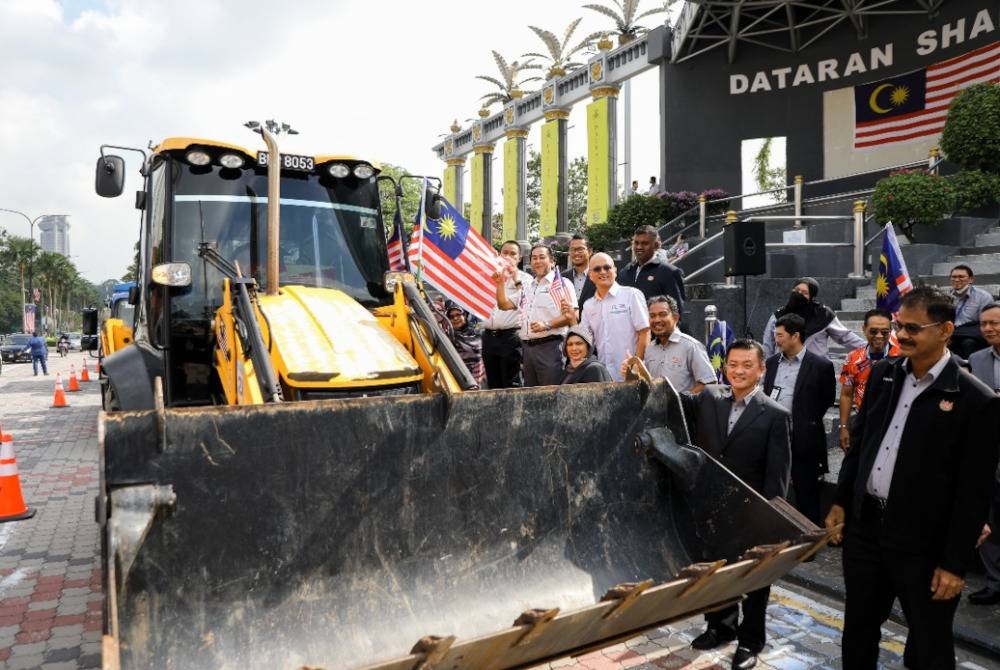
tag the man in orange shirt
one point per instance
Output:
(854, 374)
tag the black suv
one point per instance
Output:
(15, 348)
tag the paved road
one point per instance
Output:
(50, 587)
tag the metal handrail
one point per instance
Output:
(703, 268)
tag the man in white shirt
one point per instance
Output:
(501, 344)
(969, 302)
(672, 354)
(543, 324)
(616, 315)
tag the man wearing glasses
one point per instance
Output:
(854, 374)
(969, 301)
(914, 489)
(985, 365)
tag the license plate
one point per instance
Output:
(289, 161)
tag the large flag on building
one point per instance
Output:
(395, 245)
(719, 339)
(893, 281)
(915, 104)
(453, 258)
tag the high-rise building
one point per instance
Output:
(54, 234)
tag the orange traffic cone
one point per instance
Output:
(74, 385)
(12, 507)
(84, 374)
(3, 434)
(59, 400)
(97, 367)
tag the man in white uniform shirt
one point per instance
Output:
(501, 344)
(543, 324)
(672, 354)
(616, 315)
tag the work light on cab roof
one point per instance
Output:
(198, 157)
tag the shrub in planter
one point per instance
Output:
(971, 135)
(975, 189)
(716, 194)
(911, 198)
(637, 211)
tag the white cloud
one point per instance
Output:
(377, 80)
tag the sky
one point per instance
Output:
(378, 80)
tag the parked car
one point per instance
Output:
(75, 341)
(15, 348)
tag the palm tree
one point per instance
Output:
(509, 84)
(560, 51)
(21, 253)
(626, 17)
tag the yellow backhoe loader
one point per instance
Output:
(296, 470)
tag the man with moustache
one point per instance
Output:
(857, 367)
(914, 489)
(648, 273)
(501, 344)
(750, 434)
(579, 272)
(672, 354)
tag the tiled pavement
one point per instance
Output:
(50, 575)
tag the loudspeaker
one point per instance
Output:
(743, 248)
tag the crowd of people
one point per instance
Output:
(918, 408)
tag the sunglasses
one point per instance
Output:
(602, 268)
(878, 331)
(913, 328)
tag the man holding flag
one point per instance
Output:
(543, 324)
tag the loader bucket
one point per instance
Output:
(339, 533)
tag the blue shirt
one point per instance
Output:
(38, 347)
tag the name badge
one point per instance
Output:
(775, 393)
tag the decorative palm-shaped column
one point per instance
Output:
(602, 173)
(481, 215)
(454, 175)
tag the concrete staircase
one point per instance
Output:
(983, 257)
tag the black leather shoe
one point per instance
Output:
(710, 639)
(744, 659)
(985, 596)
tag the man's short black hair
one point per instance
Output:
(666, 299)
(647, 230)
(792, 323)
(878, 311)
(515, 243)
(547, 248)
(992, 305)
(747, 344)
(578, 236)
(939, 305)
(963, 267)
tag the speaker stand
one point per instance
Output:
(746, 319)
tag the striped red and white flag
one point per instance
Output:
(456, 260)
(557, 291)
(915, 105)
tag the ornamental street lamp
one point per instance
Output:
(31, 263)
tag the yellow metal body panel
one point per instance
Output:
(598, 157)
(236, 372)
(115, 335)
(182, 143)
(323, 339)
(511, 191)
(550, 178)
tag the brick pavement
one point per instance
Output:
(50, 575)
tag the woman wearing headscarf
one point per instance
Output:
(582, 366)
(468, 341)
(822, 323)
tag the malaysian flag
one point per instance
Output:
(893, 280)
(29, 318)
(915, 104)
(557, 291)
(456, 260)
(395, 246)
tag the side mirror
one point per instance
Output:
(432, 205)
(133, 295)
(109, 179)
(89, 315)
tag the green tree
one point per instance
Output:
(764, 175)
(133, 269)
(576, 194)
(410, 200)
(971, 135)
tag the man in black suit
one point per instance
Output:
(914, 489)
(650, 275)
(805, 385)
(748, 433)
